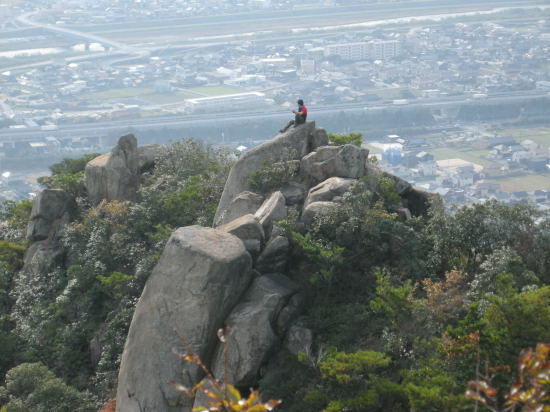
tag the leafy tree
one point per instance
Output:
(33, 387)
(68, 175)
(530, 390)
(14, 217)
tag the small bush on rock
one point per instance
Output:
(273, 176)
(342, 139)
(68, 175)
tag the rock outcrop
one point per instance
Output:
(329, 189)
(334, 161)
(249, 230)
(197, 282)
(252, 337)
(315, 209)
(274, 257)
(51, 210)
(271, 210)
(202, 281)
(296, 143)
(115, 176)
(243, 204)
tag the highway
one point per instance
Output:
(99, 129)
(25, 19)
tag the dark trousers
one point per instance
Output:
(298, 120)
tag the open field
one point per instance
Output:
(525, 183)
(540, 135)
(474, 156)
(148, 94)
(207, 91)
(119, 93)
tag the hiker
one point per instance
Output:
(299, 118)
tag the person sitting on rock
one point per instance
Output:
(300, 116)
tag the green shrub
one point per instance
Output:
(68, 175)
(342, 139)
(15, 217)
(273, 175)
(33, 387)
(347, 367)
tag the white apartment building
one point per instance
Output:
(371, 50)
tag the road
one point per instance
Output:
(207, 31)
(141, 124)
(25, 19)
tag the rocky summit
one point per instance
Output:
(299, 269)
(235, 276)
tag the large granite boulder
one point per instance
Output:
(294, 143)
(294, 193)
(274, 257)
(42, 257)
(51, 210)
(114, 176)
(248, 230)
(334, 161)
(419, 201)
(290, 313)
(401, 185)
(315, 209)
(200, 277)
(329, 189)
(272, 209)
(251, 337)
(244, 203)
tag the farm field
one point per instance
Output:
(526, 183)
(474, 156)
(540, 135)
(148, 94)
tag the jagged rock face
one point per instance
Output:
(329, 189)
(248, 230)
(334, 161)
(199, 279)
(114, 176)
(244, 203)
(51, 210)
(296, 142)
(252, 338)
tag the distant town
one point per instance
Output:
(97, 62)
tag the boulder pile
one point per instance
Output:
(234, 275)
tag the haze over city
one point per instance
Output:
(450, 95)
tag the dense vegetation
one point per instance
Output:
(404, 312)
(75, 320)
